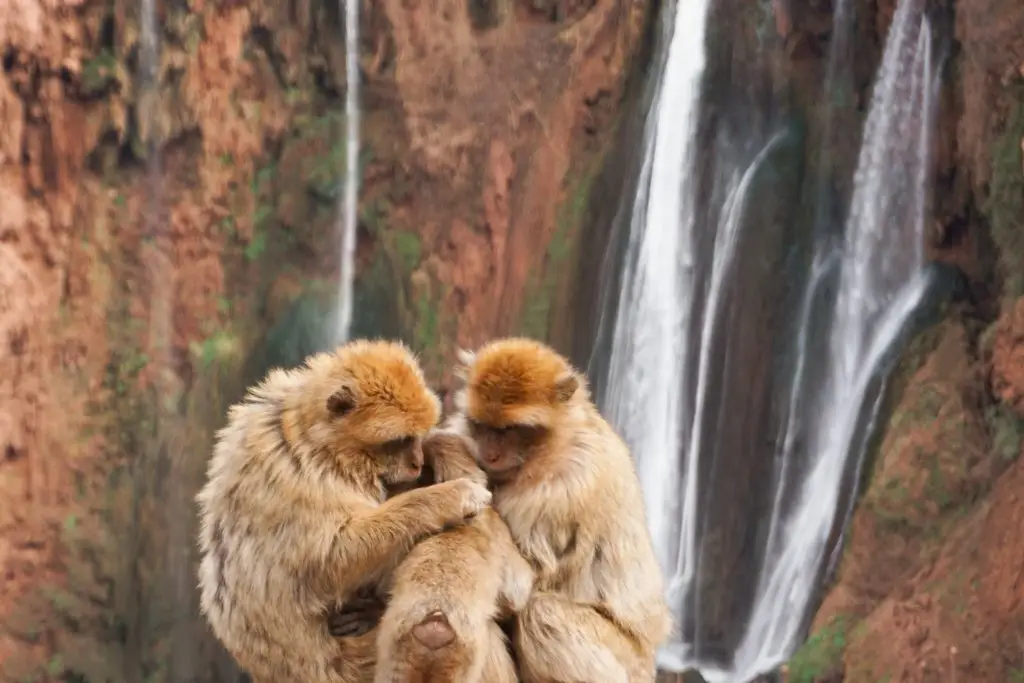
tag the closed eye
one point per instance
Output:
(481, 428)
(397, 445)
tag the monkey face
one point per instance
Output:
(368, 403)
(400, 460)
(516, 394)
(501, 451)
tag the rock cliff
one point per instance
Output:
(168, 229)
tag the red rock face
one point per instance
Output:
(113, 284)
(1008, 359)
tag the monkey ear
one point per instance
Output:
(341, 402)
(565, 388)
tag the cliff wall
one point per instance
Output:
(168, 229)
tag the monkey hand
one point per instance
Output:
(414, 515)
(450, 456)
(357, 616)
(473, 497)
(458, 500)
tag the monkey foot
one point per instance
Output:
(434, 632)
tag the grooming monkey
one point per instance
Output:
(446, 456)
(564, 483)
(292, 519)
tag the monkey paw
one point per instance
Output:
(472, 496)
(356, 617)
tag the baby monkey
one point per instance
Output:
(440, 625)
(565, 484)
(293, 517)
(445, 597)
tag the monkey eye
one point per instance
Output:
(397, 445)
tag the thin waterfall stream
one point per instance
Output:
(670, 324)
(652, 314)
(349, 209)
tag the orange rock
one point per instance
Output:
(1008, 358)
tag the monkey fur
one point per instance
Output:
(565, 484)
(293, 517)
(440, 625)
(446, 594)
(446, 456)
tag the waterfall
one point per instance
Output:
(882, 281)
(644, 392)
(673, 327)
(147, 114)
(348, 219)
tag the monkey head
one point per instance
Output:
(367, 405)
(516, 394)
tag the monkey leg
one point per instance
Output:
(432, 651)
(558, 640)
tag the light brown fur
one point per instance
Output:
(440, 624)
(564, 483)
(291, 515)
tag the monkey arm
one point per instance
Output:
(376, 539)
(450, 455)
(516, 574)
(541, 515)
(516, 582)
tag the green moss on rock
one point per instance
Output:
(1005, 205)
(821, 657)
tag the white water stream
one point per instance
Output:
(349, 211)
(881, 283)
(650, 329)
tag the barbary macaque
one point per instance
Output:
(565, 484)
(293, 517)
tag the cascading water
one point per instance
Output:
(882, 281)
(348, 214)
(672, 320)
(651, 322)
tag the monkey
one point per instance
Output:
(445, 457)
(441, 623)
(565, 484)
(448, 593)
(293, 517)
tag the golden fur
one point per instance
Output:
(440, 623)
(564, 483)
(292, 519)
